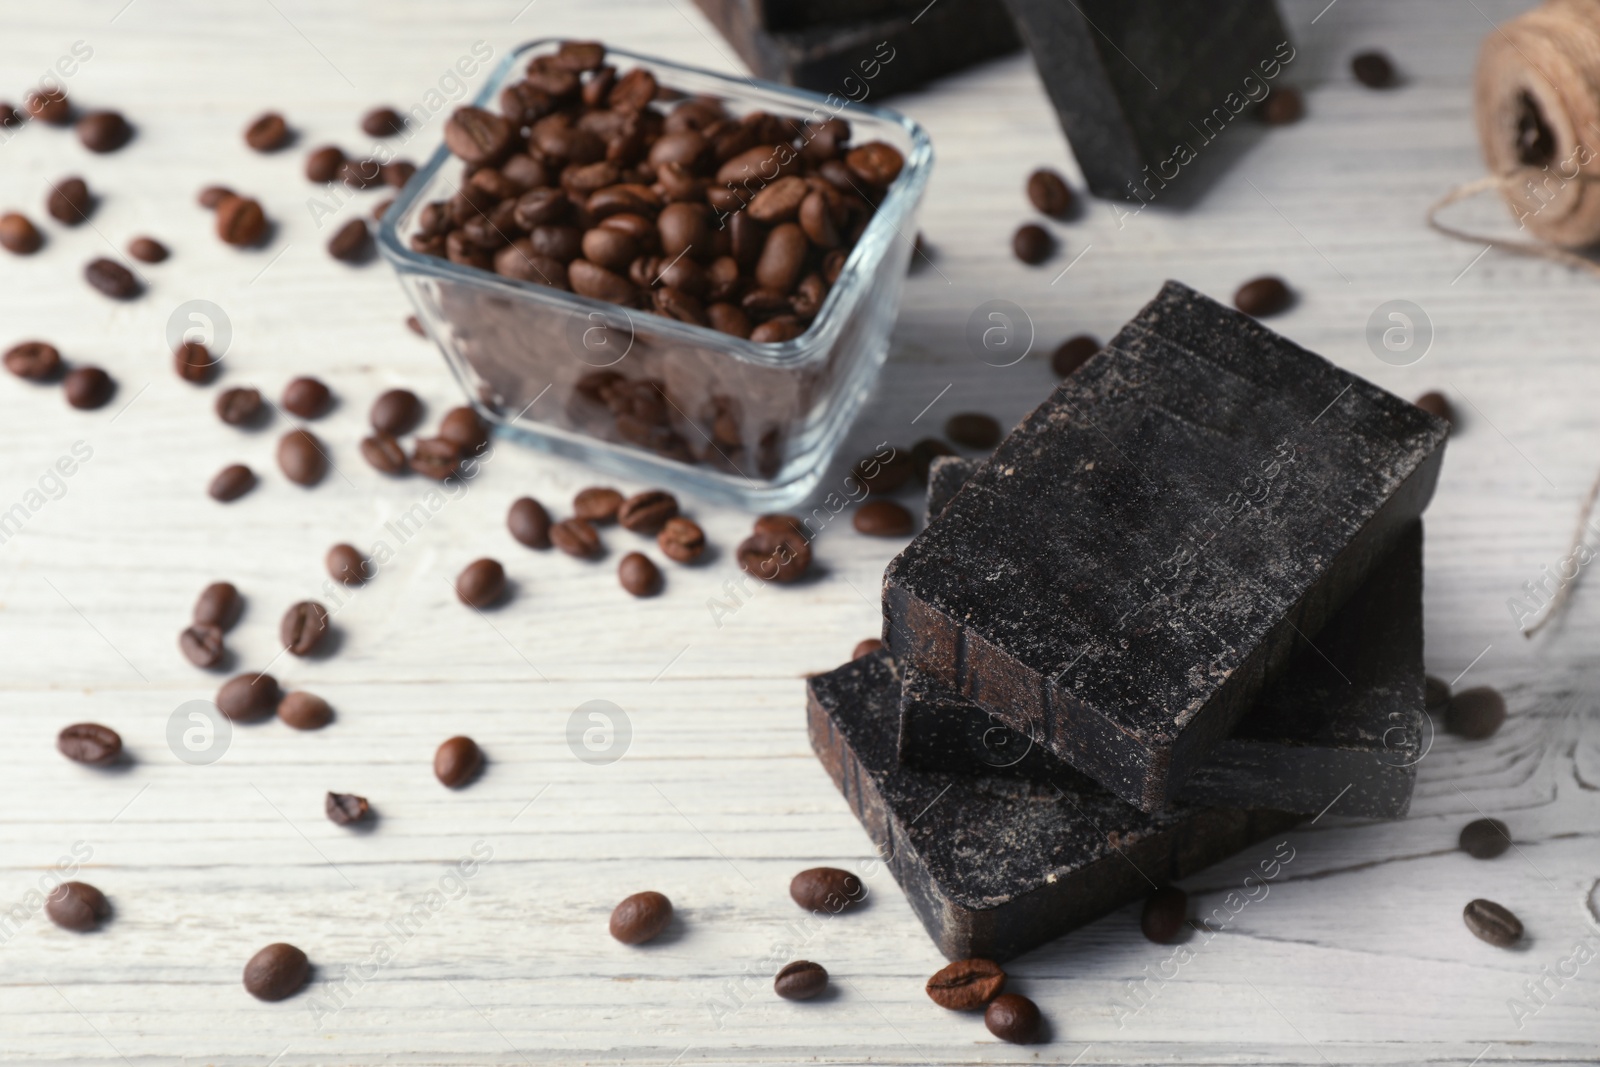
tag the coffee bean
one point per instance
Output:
(477, 136)
(1282, 106)
(346, 564)
(194, 363)
(640, 918)
(972, 429)
(1373, 69)
(268, 133)
(49, 106)
(77, 906)
(638, 575)
(529, 523)
(10, 117)
(1032, 244)
(239, 406)
(241, 222)
(647, 512)
(70, 201)
(1262, 296)
(826, 889)
(147, 250)
(247, 697)
(396, 412)
(112, 279)
(1073, 353)
(219, 605)
(966, 985)
(866, 647)
(924, 452)
(360, 173)
(89, 742)
(18, 235)
(457, 761)
(465, 429)
(1436, 405)
(415, 326)
(1049, 193)
(597, 504)
(1014, 1018)
(307, 398)
(800, 980)
(352, 244)
(875, 162)
(681, 540)
(1492, 923)
(202, 645)
(882, 518)
(397, 173)
(212, 195)
(885, 474)
(88, 388)
(34, 360)
(384, 453)
(1164, 913)
(1484, 839)
(276, 972)
(231, 483)
(345, 809)
(1475, 713)
(382, 122)
(782, 260)
(775, 552)
(301, 457)
(482, 583)
(576, 537)
(104, 131)
(303, 627)
(304, 711)
(1436, 693)
(322, 165)
(434, 457)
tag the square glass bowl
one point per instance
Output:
(709, 413)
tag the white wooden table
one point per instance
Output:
(1359, 953)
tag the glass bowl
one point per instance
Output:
(705, 412)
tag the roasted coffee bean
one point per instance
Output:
(457, 761)
(239, 406)
(464, 428)
(597, 504)
(202, 645)
(276, 972)
(826, 889)
(966, 985)
(1282, 106)
(482, 583)
(360, 173)
(345, 809)
(301, 457)
(303, 627)
(396, 412)
(77, 906)
(346, 564)
(112, 279)
(1014, 1018)
(782, 258)
(89, 742)
(1164, 913)
(70, 201)
(800, 980)
(241, 222)
(1436, 405)
(1475, 713)
(1049, 193)
(147, 250)
(34, 360)
(1484, 839)
(1073, 353)
(1262, 296)
(477, 136)
(415, 326)
(876, 163)
(18, 235)
(774, 557)
(395, 174)
(529, 523)
(728, 319)
(193, 363)
(1373, 69)
(597, 283)
(1436, 693)
(104, 131)
(1492, 923)
(433, 457)
(865, 647)
(10, 117)
(884, 474)
(49, 106)
(384, 453)
(924, 452)
(88, 388)
(352, 243)
(647, 512)
(304, 711)
(322, 165)
(816, 218)
(1032, 244)
(231, 483)
(638, 575)
(640, 918)
(306, 397)
(681, 540)
(212, 195)
(219, 604)
(247, 697)
(382, 122)
(776, 331)
(882, 518)
(972, 429)
(576, 537)
(268, 133)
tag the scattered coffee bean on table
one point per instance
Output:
(104, 131)
(640, 918)
(276, 972)
(192, 360)
(112, 279)
(924, 452)
(638, 575)
(465, 429)
(827, 889)
(91, 743)
(1373, 69)
(647, 512)
(88, 388)
(396, 173)
(231, 483)
(1437, 405)
(1475, 713)
(1262, 296)
(457, 761)
(973, 429)
(239, 406)
(436, 458)
(1484, 839)
(70, 201)
(49, 106)
(1492, 923)
(247, 697)
(382, 122)
(18, 235)
(212, 195)
(77, 906)
(360, 173)
(597, 504)
(966, 985)
(1164, 914)
(576, 537)
(396, 412)
(800, 980)
(301, 458)
(268, 133)
(482, 583)
(346, 564)
(885, 474)
(147, 250)
(1014, 1018)
(384, 453)
(1436, 693)
(1282, 106)
(352, 243)
(241, 221)
(1048, 191)
(304, 711)
(882, 518)
(345, 809)
(303, 627)
(323, 164)
(202, 645)
(866, 647)
(1032, 244)
(219, 605)
(307, 398)
(34, 360)
(681, 540)
(529, 523)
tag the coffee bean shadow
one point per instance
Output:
(675, 932)
(513, 590)
(228, 664)
(367, 825)
(125, 763)
(329, 646)
(829, 994)
(260, 420)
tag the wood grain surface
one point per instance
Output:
(1356, 954)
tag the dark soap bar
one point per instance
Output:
(876, 53)
(995, 866)
(1143, 84)
(1138, 558)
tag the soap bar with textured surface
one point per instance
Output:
(997, 866)
(1138, 558)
